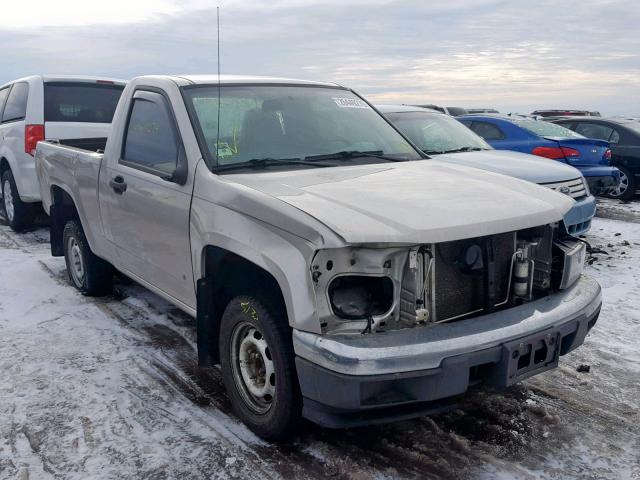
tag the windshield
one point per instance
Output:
(436, 133)
(286, 123)
(545, 129)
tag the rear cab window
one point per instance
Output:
(16, 105)
(80, 102)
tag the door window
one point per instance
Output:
(16, 107)
(151, 141)
(487, 131)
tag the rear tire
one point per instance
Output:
(627, 187)
(88, 273)
(18, 214)
(258, 368)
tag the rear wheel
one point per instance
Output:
(626, 189)
(257, 361)
(19, 215)
(87, 272)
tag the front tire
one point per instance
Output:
(627, 187)
(19, 215)
(258, 369)
(87, 272)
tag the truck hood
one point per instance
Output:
(411, 202)
(521, 165)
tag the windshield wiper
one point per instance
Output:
(464, 149)
(348, 154)
(262, 163)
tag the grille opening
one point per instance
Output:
(478, 373)
(541, 354)
(525, 359)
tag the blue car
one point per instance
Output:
(591, 156)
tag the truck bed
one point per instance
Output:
(72, 170)
(89, 144)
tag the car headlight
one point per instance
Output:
(358, 297)
(570, 257)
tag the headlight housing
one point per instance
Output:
(358, 297)
(586, 186)
(569, 256)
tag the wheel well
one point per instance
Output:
(227, 275)
(4, 166)
(62, 210)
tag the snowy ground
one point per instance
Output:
(107, 388)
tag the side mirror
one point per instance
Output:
(181, 172)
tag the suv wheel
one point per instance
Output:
(626, 189)
(87, 272)
(256, 357)
(19, 215)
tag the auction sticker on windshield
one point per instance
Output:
(350, 102)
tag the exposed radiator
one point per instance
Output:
(458, 291)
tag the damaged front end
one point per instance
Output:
(373, 289)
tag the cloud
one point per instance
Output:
(514, 55)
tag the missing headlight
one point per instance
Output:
(358, 297)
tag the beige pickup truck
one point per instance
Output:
(335, 272)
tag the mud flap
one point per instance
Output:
(206, 328)
(56, 227)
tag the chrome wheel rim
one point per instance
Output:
(76, 263)
(622, 186)
(253, 368)
(8, 200)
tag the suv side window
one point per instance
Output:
(488, 131)
(151, 139)
(3, 96)
(594, 130)
(16, 106)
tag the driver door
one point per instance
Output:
(148, 198)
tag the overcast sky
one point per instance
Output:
(513, 55)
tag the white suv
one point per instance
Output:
(75, 111)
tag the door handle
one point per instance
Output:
(118, 184)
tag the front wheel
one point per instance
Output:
(258, 369)
(626, 189)
(19, 215)
(87, 272)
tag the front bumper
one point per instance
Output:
(349, 380)
(578, 219)
(600, 179)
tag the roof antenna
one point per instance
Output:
(219, 106)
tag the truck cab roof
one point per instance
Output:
(212, 79)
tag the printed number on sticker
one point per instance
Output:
(349, 102)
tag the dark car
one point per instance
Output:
(481, 111)
(565, 113)
(590, 156)
(623, 136)
(453, 111)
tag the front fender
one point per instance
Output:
(285, 256)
